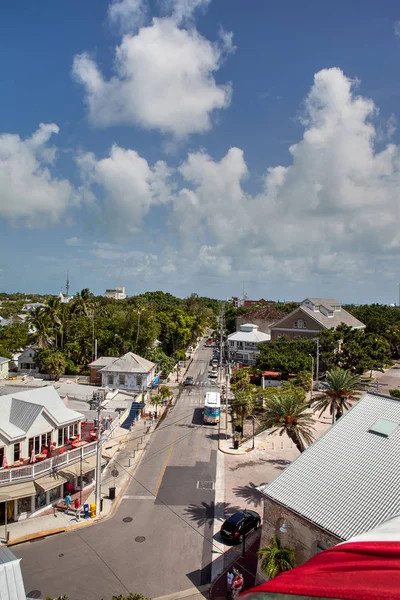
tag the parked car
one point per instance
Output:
(188, 381)
(213, 374)
(240, 524)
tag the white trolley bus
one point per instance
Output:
(212, 407)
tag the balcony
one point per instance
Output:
(61, 457)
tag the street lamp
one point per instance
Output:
(312, 376)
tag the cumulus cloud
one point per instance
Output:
(127, 15)
(184, 9)
(129, 185)
(29, 193)
(330, 213)
(164, 74)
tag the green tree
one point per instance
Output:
(303, 380)
(240, 379)
(54, 364)
(130, 597)
(165, 392)
(52, 313)
(243, 403)
(42, 327)
(165, 362)
(275, 558)
(343, 387)
(286, 356)
(82, 302)
(156, 401)
(14, 337)
(288, 414)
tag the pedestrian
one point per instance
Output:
(229, 581)
(77, 508)
(68, 502)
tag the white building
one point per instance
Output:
(30, 306)
(65, 299)
(129, 372)
(31, 422)
(26, 361)
(4, 366)
(243, 345)
(117, 293)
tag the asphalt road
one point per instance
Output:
(159, 540)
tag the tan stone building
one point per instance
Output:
(344, 484)
(311, 317)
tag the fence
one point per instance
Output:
(31, 472)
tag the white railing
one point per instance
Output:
(55, 463)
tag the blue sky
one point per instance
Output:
(196, 145)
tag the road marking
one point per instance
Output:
(218, 564)
(131, 497)
(166, 461)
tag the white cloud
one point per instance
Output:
(127, 15)
(73, 241)
(129, 184)
(396, 29)
(330, 214)
(28, 190)
(164, 79)
(184, 9)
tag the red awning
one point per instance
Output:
(353, 570)
(271, 374)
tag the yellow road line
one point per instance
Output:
(166, 461)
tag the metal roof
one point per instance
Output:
(129, 363)
(23, 414)
(349, 480)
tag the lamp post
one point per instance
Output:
(97, 404)
(312, 377)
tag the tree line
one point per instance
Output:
(155, 325)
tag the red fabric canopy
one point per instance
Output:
(365, 570)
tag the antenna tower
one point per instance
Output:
(67, 285)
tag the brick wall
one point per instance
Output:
(305, 538)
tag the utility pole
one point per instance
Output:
(317, 365)
(97, 403)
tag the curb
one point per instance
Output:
(85, 523)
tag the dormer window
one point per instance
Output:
(316, 307)
(300, 323)
(330, 313)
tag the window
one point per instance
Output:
(304, 325)
(17, 452)
(121, 379)
(110, 379)
(55, 494)
(24, 505)
(1, 454)
(300, 323)
(231, 343)
(316, 307)
(240, 345)
(295, 324)
(139, 380)
(40, 500)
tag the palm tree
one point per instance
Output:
(156, 401)
(289, 414)
(52, 312)
(243, 403)
(343, 387)
(55, 364)
(41, 324)
(241, 378)
(81, 302)
(275, 558)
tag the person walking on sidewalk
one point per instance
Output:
(229, 581)
(68, 502)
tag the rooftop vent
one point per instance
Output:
(383, 427)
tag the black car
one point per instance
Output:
(188, 381)
(240, 524)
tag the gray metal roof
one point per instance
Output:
(339, 317)
(4, 360)
(129, 363)
(23, 414)
(348, 481)
(45, 398)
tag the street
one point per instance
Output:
(159, 539)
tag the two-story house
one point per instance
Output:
(36, 433)
(26, 361)
(311, 317)
(243, 344)
(128, 372)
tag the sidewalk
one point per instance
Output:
(116, 474)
